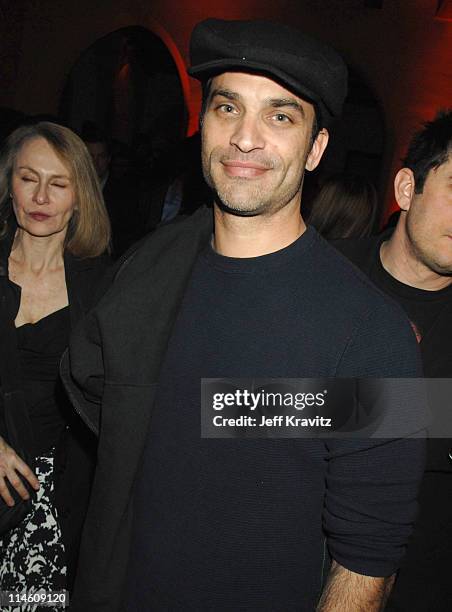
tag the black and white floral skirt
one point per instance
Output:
(32, 554)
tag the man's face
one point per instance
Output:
(100, 156)
(429, 221)
(256, 143)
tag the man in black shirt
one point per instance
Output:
(413, 264)
(179, 522)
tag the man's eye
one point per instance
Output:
(28, 179)
(59, 185)
(281, 118)
(226, 108)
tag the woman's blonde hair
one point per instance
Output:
(88, 233)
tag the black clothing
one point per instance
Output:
(40, 348)
(177, 181)
(75, 447)
(422, 307)
(424, 579)
(436, 346)
(127, 212)
(116, 360)
(206, 508)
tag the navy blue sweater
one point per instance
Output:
(251, 524)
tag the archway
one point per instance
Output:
(128, 84)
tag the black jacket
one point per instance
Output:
(124, 374)
(75, 452)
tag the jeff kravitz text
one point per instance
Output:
(278, 420)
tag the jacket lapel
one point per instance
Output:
(144, 302)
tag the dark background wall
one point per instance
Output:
(399, 52)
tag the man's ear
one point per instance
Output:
(404, 188)
(317, 149)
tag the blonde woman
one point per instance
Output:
(54, 233)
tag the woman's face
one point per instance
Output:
(42, 190)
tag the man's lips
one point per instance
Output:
(244, 169)
(39, 216)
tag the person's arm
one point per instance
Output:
(372, 483)
(11, 465)
(347, 591)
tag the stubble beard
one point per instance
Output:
(229, 198)
(245, 197)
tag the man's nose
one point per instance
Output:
(247, 135)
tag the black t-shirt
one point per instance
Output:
(422, 307)
(228, 524)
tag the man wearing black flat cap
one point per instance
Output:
(179, 522)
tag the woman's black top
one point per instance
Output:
(41, 345)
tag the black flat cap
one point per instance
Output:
(307, 67)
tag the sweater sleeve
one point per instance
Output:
(370, 503)
(372, 484)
